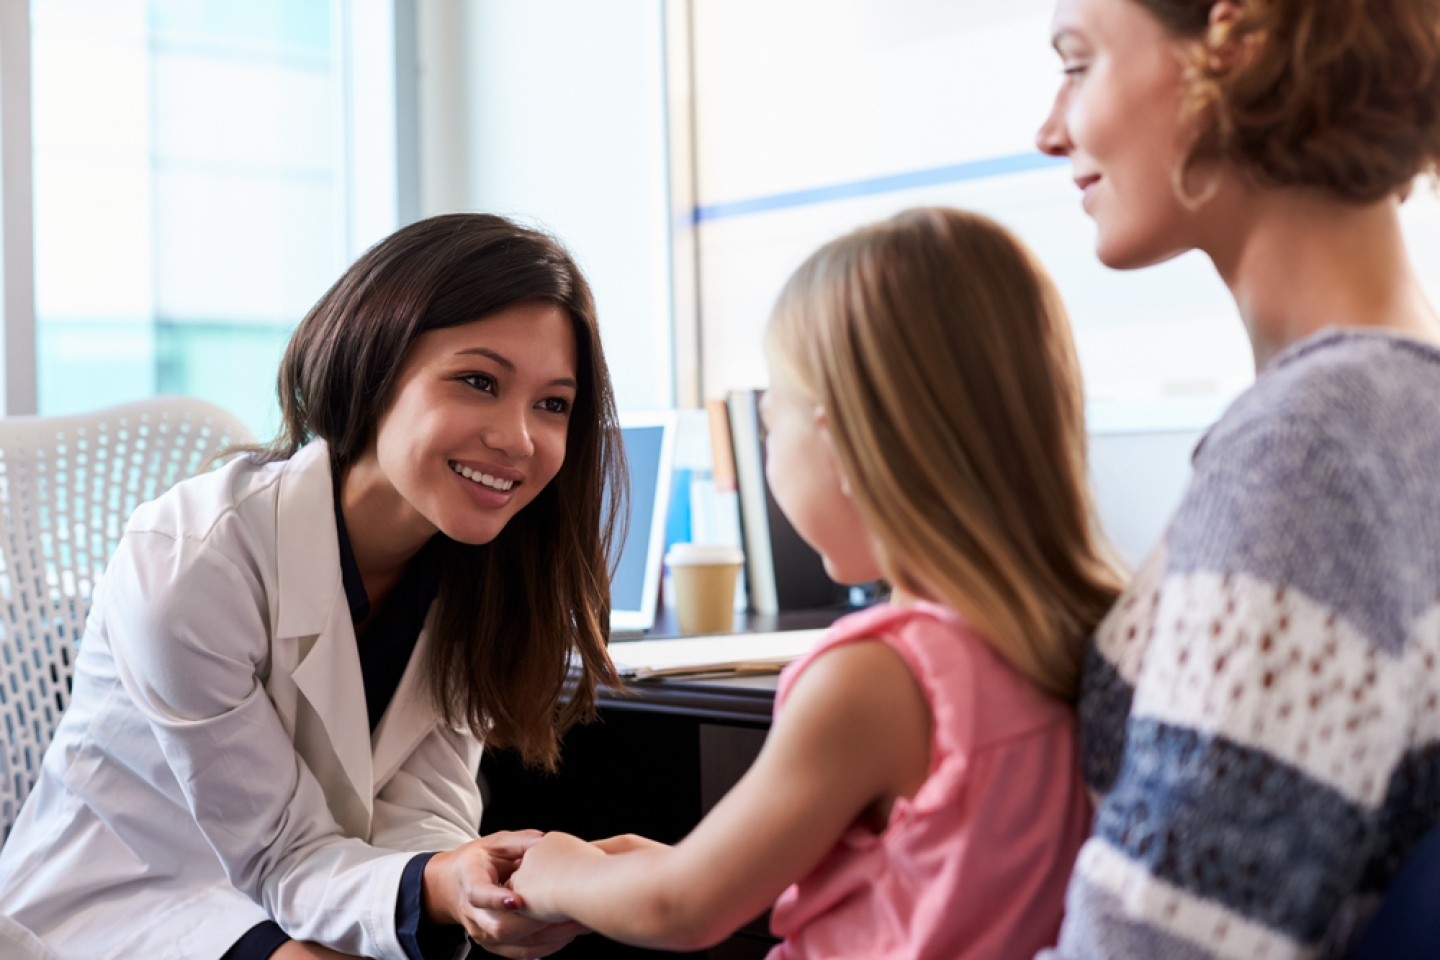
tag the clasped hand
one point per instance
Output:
(559, 862)
(467, 886)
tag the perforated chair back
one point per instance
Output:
(67, 486)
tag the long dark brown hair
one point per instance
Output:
(509, 612)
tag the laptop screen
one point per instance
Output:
(649, 454)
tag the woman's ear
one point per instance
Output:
(1224, 13)
(822, 427)
(1223, 49)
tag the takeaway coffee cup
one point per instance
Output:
(703, 580)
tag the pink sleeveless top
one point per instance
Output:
(976, 864)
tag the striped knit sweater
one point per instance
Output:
(1261, 711)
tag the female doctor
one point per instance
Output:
(292, 661)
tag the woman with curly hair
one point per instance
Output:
(1261, 710)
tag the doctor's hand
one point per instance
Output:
(465, 886)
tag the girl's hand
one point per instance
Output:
(465, 886)
(627, 843)
(542, 873)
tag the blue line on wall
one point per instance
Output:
(954, 173)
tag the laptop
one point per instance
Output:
(649, 440)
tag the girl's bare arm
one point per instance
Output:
(854, 733)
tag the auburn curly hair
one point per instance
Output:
(1343, 95)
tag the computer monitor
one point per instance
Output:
(650, 455)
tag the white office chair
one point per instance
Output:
(67, 486)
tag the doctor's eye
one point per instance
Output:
(480, 381)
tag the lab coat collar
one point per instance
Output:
(307, 546)
(314, 615)
(313, 618)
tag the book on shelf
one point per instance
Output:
(722, 454)
(782, 571)
(714, 507)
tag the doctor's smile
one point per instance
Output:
(484, 486)
(492, 479)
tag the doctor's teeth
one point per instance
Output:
(483, 479)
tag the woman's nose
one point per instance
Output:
(509, 432)
(1053, 138)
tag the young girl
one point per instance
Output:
(292, 661)
(919, 793)
(1261, 714)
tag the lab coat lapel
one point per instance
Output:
(315, 640)
(409, 717)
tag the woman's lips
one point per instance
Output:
(483, 494)
(1087, 185)
(489, 485)
(490, 472)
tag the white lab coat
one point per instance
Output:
(216, 764)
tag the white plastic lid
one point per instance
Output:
(702, 554)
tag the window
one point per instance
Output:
(813, 117)
(193, 193)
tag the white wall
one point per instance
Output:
(1138, 479)
(552, 112)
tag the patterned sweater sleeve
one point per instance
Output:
(1260, 711)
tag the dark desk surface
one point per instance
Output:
(744, 700)
(720, 697)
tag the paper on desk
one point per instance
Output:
(738, 653)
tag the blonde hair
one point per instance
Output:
(941, 354)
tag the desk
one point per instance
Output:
(663, 753)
